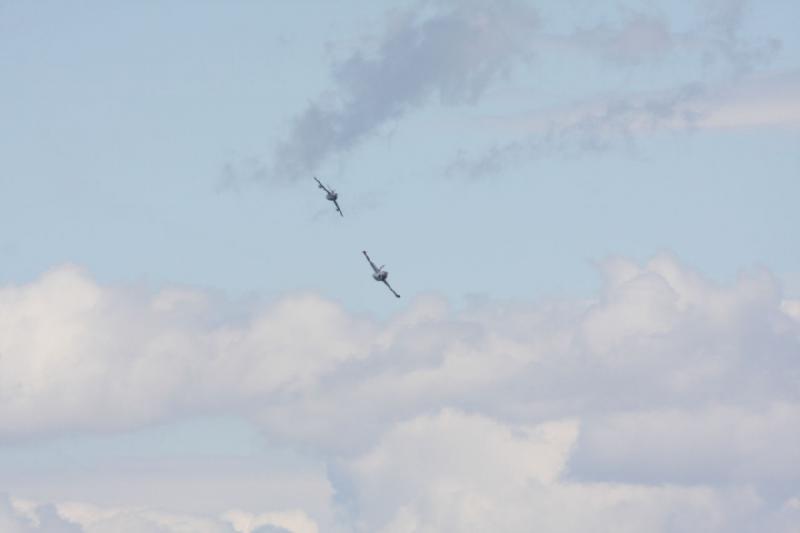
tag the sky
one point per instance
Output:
(589, 209)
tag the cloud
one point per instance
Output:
(293, 521)
(588, 127)
(644, 38)
(712, 445)
(726, 93)
(20, 516)
(79, 518)
(722, 26)
(639, 38)
(23, 517)
(452, 51)
(78, 355)
(766, 101)
(466, 473)
(621, 122)
(666, 399)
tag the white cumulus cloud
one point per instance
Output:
(665, 400)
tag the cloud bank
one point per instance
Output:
(666, 402)
(20, 516)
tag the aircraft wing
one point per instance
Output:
(391, 289)
(337, 207)
(370, 261)
(321, 186)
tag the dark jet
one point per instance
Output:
(330, 194)
(379, 274)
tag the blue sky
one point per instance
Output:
(508, 159)
(125, 119)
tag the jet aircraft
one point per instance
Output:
(330, 194)
(379, 274)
